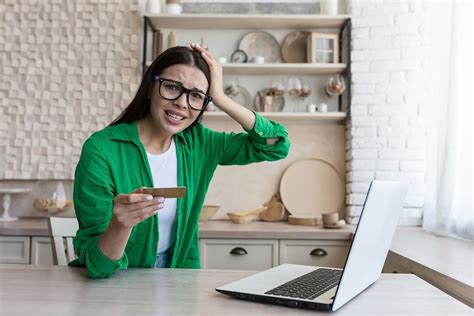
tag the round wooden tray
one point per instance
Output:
(312, 187)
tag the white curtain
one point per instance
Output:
(448, 206)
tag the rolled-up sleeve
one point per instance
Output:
(93, 203)
(252, 146)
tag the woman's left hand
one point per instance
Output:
(215, 90)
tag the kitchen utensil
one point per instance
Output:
(278, 87)
(339, 224)
(259, 60)
(261, 44)
(239, 94)
(207, 212)
(246, 216)
(330, 218)
(275, 209)
(6, 202)
(304, 221)
(294, 86)
(51, 197)
(311, 187)
(323, 108)
(335, 86)
(293, 47)
(278, 101)
(305, 88)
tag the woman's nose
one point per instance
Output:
(182, 101)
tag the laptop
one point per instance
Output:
(324, 288)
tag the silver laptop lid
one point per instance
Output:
(372, 239)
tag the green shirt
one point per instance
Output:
(113, 161)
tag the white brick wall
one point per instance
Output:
(386, 134)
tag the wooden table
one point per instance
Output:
(36, 290)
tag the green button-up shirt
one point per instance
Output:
(113, 161)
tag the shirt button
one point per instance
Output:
(260, 133)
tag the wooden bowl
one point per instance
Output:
(208, 211)
(246, 216)
(238, 219)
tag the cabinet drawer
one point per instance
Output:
(14, 249)
(41, 251)
(238, 254)
(325, 253)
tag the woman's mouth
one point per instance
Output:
(174, 116)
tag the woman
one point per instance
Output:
(158, 141)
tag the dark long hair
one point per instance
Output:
(140, 106)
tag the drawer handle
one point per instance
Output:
(238, 251)
(318, 252)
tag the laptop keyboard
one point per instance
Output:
(310, 285)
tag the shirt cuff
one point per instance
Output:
(101, 265)
(265, 128)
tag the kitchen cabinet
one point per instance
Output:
(325, 253)
(261, 254)
(14, 249)
(41, 251)
(238, 254)
(26, 249)
(212, 26)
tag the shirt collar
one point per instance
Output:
(129, 132)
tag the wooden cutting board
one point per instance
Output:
(312, 187)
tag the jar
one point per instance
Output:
(174, 6)
(153, 7)
(52, 197)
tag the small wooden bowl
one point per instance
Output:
(246, 216)
(208, 211)
(237, 219)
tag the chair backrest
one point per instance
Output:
(62, 230)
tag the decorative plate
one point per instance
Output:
(260, 44)
(293, 47)
(239, 94)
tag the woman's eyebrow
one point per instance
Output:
(193, 88)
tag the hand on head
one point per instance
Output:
(215, 90)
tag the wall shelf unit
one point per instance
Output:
(247, 21)
(302, 117)
(218, 22)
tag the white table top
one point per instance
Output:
(451, 257)
(35, 290)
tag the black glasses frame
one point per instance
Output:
(207, 98)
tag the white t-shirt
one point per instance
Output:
(164, 168)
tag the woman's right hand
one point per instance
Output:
(130, 209)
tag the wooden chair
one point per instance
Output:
(61, 231)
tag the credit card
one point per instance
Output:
(177, 192)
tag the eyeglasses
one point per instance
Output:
(172, 90)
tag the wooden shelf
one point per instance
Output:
(282, 69)
(285, 116)
(246, 21)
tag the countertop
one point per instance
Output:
(209, 229)
(27, 290)
(28, 226)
